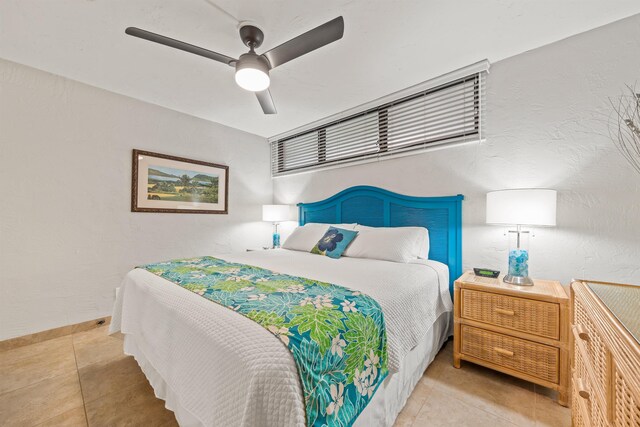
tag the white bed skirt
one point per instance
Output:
(392, 395)
(383, 409)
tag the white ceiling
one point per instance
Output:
(387, 46)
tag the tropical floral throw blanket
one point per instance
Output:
(336, 335)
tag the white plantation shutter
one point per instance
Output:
(447, 113)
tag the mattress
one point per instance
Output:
(216, 367)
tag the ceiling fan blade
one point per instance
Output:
(266, 102)
(177, 44)
(307, 42)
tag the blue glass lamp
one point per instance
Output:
(522, 207)
(276, 214)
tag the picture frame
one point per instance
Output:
(162, 183)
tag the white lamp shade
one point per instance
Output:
(276, 213)
(522, 207)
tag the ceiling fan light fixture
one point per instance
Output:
(252, 72)
(252, 79)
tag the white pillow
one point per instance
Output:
(398, 244)
(423, 242)
(423, 251)
(305, 238)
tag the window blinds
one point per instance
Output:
(448, 113)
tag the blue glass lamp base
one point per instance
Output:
(276, 240)
(518, 268)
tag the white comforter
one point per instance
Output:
(224, 369)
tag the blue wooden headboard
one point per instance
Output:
(376, 207)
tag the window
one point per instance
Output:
(448, 113)
(355, 137)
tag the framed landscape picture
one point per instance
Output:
(170, 184)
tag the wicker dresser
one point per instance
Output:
(606, 363)
(519, 330)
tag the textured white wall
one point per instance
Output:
(67, 236)
(545, 127)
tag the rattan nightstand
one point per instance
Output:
(521, 331)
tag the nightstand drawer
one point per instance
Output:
(524, 356)
(520, 314)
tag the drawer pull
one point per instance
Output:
(580, 332)
(582, 388)
(503, 351)
(505, 312)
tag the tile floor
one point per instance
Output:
(85, 379)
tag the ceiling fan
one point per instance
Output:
(252, 70)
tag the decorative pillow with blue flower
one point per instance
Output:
(334, 242)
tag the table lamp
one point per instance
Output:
(276, 214)
(536, 207)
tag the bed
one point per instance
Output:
(213, 366)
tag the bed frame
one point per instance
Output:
(377, 207)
